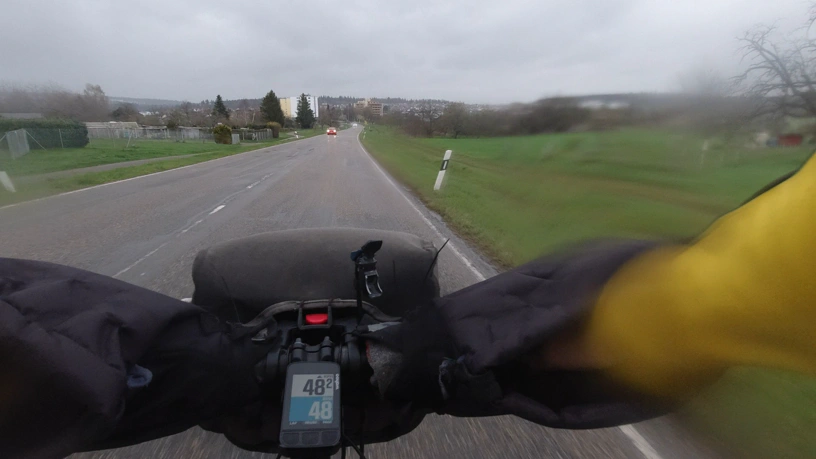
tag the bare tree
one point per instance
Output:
(125, 112)
(704, 82)
(429, 113)
(325, 116)
(781, 73)
(244, 110)
(454, 118)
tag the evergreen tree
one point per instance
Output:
(219, 109)
(271, 108)
(305, 116)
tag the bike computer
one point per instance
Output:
(311, 405)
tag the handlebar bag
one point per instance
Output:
(238, 279)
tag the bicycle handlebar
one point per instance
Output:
(324, 331)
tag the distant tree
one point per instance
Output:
(171, 124)
(305, 116)
(781, 73)
(704, 82)
(324, 119)
(125, 112)
(429, 113)
(186, 109)
(95, 104)
(454, 118)
(219, 109)
(271, 108)
(244, 111)
(91, 105)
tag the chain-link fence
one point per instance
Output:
(19, 141)
(183, 134)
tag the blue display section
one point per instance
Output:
(311, 409)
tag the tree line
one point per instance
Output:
(458, 119)
(92, 104)
(779, 82)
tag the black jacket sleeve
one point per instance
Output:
(90, 362)
(467, 354)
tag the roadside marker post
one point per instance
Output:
(442, 169)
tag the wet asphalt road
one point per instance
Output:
(147, 231)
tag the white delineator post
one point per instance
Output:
(442, 169)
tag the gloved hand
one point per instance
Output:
(90, 362)
(470, 353)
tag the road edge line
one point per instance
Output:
(638, 440)
(475, 271)
(148, 175)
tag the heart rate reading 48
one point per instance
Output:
(312, 398)
(311, 405)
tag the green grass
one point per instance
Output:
(758, 414)
(519, 197)
(104, 152)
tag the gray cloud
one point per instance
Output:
(476, 50)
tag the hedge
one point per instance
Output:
(47, 132)
(222, 134)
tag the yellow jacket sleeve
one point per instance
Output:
(673, 319)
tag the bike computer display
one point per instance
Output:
(311, 405)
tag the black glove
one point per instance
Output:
(90, 362)
(467, 353)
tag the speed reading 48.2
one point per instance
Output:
(312, 398)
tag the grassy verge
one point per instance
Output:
(41, 188)
(519, 197)
(105, 151)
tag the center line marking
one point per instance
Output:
(217, 209)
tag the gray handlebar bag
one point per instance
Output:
(238, 279)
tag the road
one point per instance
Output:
(147, 231)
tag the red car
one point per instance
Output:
(331, 131)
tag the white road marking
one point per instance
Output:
(640, 443)
(183, 231)
(629, 430)
(285, 142)
(479, 276)
(132, 265)
(191, 226)
(252, 185)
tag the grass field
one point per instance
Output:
(100, 152)
(104, 151)
(519, 197)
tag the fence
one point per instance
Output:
(18, 142)
(179, 135)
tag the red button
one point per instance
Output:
(317, 319)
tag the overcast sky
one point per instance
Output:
(492, 51)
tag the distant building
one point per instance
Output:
(112, 125)
(289, 106)
(789, 140)
(595, 104)
(376, 107)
